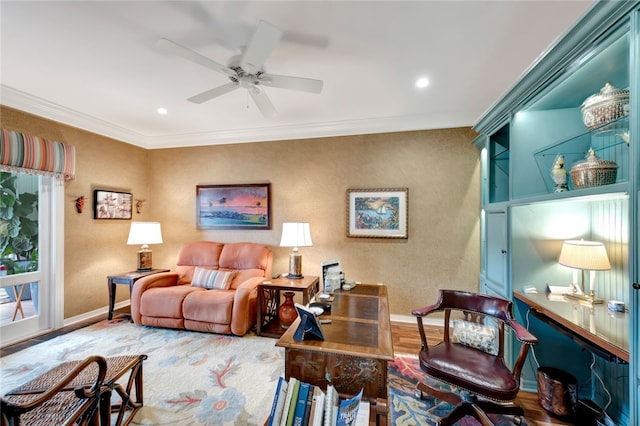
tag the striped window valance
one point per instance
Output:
(31, 154)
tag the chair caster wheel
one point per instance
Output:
(420, 395)
(517, 420)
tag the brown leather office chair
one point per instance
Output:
(471, 356)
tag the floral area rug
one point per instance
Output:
(189, 378)
(409, 410)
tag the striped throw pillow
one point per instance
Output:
(212, 279)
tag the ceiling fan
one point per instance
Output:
(247, 70)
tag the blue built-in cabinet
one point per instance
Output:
(525, 221)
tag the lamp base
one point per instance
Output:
(582, 298)
(144, 259)
(295, 266)
(294, 277)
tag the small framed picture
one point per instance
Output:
(309, 327)
(378, 213)
(112, 205)
(233, 206)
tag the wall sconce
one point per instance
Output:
(139, 204)
(80, 203)
(585, 256)
(295, 235)
(145, 233)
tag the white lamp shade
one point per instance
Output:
(580, 254)
(295, 234)
(145, 233)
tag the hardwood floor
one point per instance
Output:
(406, 340)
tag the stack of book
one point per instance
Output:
(297, 403)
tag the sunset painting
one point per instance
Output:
(233, 206)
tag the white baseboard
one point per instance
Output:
(394, 317)
(93, 314)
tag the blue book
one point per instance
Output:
(301, 405)
(278, 402)
(307, 410)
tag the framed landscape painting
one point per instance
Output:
(233, 206)
(378, 213)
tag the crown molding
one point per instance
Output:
(37, 106)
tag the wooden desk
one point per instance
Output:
(268, 323)
(595, 327)
(356, 348)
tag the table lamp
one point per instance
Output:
(584, 255)
(295, 235)
(145, 233)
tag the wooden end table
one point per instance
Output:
(127, 278)
(267, 323)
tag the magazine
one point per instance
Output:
(348, 410)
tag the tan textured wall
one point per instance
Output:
(93, 248)
(309, 181)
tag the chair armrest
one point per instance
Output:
(522, 334)
(60, 385)
(528, 340)
(244, 306)
(421, 312)
(163, 279)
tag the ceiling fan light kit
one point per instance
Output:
(247, 70)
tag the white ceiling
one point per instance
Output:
(95, 64)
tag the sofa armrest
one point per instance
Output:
(163, 279)
(244, 306)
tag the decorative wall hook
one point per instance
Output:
(139, 204)
(80, 204)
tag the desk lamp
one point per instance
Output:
(145, 233)
(295, 235)
(584, 255)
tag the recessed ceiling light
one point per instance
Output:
(422, 82)
(162, 111)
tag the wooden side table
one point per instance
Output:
(127, 278)
(267, 323)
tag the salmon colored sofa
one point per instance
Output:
(170, 300)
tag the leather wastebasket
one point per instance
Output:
(557, 391)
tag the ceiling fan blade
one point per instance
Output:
(262, 42)
(262, 101)
(291, 83)
(213, 93)
(176, 49)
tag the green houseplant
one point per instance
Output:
(18, 229)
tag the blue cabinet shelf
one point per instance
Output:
(608, 142)
(524, 220)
